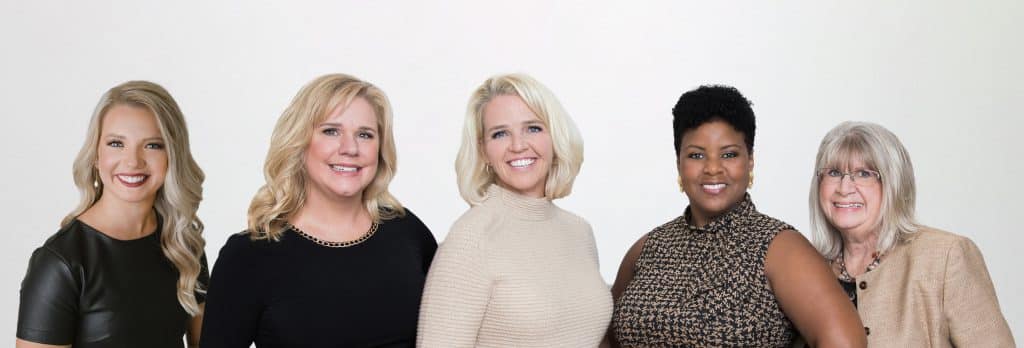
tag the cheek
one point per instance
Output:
(493, 150)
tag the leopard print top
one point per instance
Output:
(704, 287)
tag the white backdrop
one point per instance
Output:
(943, 75)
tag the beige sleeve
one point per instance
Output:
(969, 300)
(456, 293)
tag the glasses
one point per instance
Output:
(860, 177)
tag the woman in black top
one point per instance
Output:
(127, 267)
(330, 258)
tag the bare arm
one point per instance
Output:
(622, 279)
(809, 294)
(20, 343)
(195, 327)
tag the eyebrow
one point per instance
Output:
(339, 125)
(723, 147)
(121, 137)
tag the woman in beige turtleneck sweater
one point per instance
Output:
(516, 270)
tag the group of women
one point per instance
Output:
(331, 259)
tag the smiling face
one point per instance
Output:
(131, 159)
(342, 156)
(852, 208)
(714, 166)
(517, 146)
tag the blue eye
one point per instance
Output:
(115, 143)
(695, 155)
(330, 131)
(366, 135)
(534, 129)
(833, 173)
(864, 174)
(499, 134)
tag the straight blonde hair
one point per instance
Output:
(176, 201)
(881, 151)
(285, 170)
(472, 175)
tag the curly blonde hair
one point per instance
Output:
(284, 169)
(176, 201)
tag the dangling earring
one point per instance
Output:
(751, 184)
(487, 168)
(680, 181)
(96, 177)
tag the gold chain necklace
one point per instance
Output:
(330, 244)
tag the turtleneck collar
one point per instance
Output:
(745, 207)
(519, 206)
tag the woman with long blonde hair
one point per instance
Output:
(329, 258)
(127, 268)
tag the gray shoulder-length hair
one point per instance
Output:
(881, 151)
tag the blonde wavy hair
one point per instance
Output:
(470, 168)
(881, 151)
(285, 170)
(176, 201)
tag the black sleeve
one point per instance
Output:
(48, 312)
(233, 301)
(204, 279)
(428, 245)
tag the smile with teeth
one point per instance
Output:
(343, 169)
(522, 162)
(131, 180)
(848, 205)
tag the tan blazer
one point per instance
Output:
(932, 291)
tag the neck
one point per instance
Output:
(332, 219)
(121, 220)
(859, 251)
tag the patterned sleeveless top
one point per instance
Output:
(704, 286)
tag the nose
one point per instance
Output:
(713, 166)
(846, 184)
(135, 159)
(348, 146)
(519, 143)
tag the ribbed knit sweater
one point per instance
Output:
(515, 272)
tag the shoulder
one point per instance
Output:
(242, 245)
(410, 225)
(929, 238)
(572, 219)
(68, 243)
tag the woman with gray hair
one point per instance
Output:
(912, 285)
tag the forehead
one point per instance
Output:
(848, 155)
(357, 113)
(129, 120)
(505, 110)
(715, 132)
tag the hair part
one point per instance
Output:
(284, 168)
(176, 201)
(879, 150)
(713, 103)
(470, 168)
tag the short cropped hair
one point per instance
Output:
(880, 150)
(710, 103)
(473, 178)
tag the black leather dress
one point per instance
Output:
(89, 290)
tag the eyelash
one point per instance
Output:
(334, 132)
(529, 129)
(699, 155)
(151, 146)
